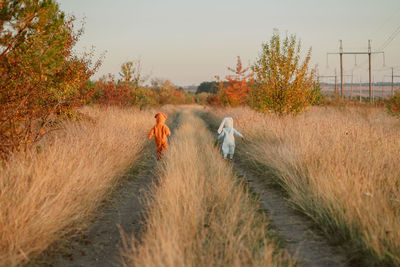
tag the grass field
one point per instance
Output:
(340, 167)
(198, 215)
(337, 165)
(48, 192)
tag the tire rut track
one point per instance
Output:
(100, 244)
(301, 240)
(297, 231)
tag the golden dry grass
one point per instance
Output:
(45, 195)
(339, 166)
(198, 215)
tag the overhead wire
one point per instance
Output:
(390, 38)
(386, 21)
(385, 44)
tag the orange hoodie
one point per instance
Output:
(160, 132)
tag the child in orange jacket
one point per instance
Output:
(160, 132)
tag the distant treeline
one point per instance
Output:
(208, 87)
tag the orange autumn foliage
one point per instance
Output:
(41, 79)
(111, 92)
(108, 92)
(235, 90)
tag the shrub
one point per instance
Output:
(393, 105)
(215, 100)
(316, 96)
(282, 83)
(127, 92)
(201, 98)
(109, 92)
(143, 97)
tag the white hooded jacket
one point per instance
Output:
(226, 130)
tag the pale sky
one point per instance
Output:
(189, 42)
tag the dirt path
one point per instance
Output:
(295, 229)
(100, 245)
(297, 232)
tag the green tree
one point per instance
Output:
(284, 84)
(208, 87)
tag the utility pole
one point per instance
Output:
(336, 92)
(369, 71)
(351, 87)
(373, 90)
(368, 52)
(341, 85)
(393, 76)
(341, 68)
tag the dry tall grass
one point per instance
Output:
(198, 215)
(45, 195)
(339, 166)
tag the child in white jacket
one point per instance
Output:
(227, 132)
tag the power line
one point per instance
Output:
(369, 53)
(391, 38)
(393, 76)
(386, 21)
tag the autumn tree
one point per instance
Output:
(108, 92)
(284, 83)
(236, 90)
(167, 93)
(131, 72)
(39, 75)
